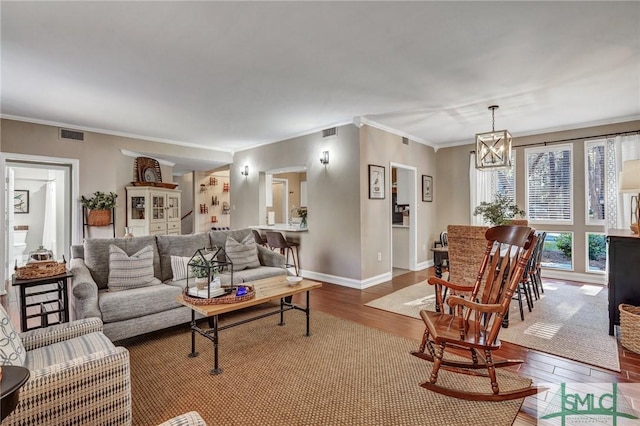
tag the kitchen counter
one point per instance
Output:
(283, 227)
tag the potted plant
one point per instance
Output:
(200, 268)
(99, 207)
(500, 211)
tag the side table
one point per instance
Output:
(13, 377)
(55, 285)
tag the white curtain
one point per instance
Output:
(49, 228)
(626, 148)
(479, 189)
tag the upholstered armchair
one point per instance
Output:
(77, 376)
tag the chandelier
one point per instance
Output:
(493, 149)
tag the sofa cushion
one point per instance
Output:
(180, 268)
(66, 350)
(96, 255)
(258, 273)
(178, 245)
(138, 302)
(244, 254)
(12, 350)
(127, 272)
(219, 238)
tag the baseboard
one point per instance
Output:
(575, 276)
(347, 282)
(424, 265)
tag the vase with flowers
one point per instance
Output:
(302, 212)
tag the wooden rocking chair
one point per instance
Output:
(476, 318)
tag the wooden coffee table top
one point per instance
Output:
(266, 290)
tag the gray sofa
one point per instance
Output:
(136, 311)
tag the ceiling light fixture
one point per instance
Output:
(493, 149)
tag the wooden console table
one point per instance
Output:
(624, 273)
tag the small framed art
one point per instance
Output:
(427, 188)
(376, 182)
(20, 201)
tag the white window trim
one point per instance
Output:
(526, 186)
(586, 253)
(587, 220)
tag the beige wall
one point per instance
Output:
(102, 166)
(452, 185)
(382, 148)
(332, 244)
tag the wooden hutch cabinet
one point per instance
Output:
(624, 272)
(153, 211)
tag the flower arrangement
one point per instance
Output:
(302, 212)
(500, 211)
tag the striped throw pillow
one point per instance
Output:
(243, 255)
(180, 268)
(127, 272)
(12, 350)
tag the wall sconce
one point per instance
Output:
(493, 149)
(630, 183)
(324, 157)
(245, 171)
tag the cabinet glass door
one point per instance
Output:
(157, 207)
(173, 212)
(137, 207)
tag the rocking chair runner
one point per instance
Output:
(476, 319)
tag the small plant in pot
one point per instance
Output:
(200, 269)
(500, 211)
(99, 207)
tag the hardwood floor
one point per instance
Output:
(349, 303)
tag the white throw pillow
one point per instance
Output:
(12, 350)
(180, 268)
(243, 255)
(127, 272)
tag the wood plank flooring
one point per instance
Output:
(349, 303)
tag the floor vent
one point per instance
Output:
(405, 141)
(329, 132)
(73, 135)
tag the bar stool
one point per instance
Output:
(258, 238)
(277, 240)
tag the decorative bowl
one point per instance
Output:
(294, 280)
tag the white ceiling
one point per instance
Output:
(232, 75)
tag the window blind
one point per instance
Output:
(549, 186)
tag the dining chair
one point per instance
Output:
(259, 240)
(276, 240)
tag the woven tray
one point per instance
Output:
(229, 298)
(630, 327)
(40, 270)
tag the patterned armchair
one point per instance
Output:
(192, 418)
(77, 375)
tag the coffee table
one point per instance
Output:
(266, 290)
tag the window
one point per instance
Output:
(549, 184)
(487, 183)
(594, 160)
(558, 251)
(596, 252)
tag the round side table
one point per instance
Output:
(13, 377)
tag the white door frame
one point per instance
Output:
(285, 198)
(413, 217)
(76, 223)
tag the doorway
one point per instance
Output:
(280, 207)
(403, 218)
(37, 197)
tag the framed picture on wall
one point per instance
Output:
(427, 188)
(20, 201)
(376, 182)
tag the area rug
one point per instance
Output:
(569, 321)
(343, 374)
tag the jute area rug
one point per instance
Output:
(343, 374)
(569, 321)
